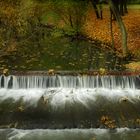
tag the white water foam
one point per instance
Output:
(39, 133)
(60, 90)
(73, 134)
(58, 97)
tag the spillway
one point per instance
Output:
(58, 102)
(26, 82)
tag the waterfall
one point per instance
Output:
(111, 82)
(44, 101)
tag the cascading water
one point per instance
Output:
(17, 82)
(58, 102)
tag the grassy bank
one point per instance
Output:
(80, 42)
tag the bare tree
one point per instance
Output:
(121, 26)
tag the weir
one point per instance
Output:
(54, 101)
(111, 82)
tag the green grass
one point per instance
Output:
(134, 6)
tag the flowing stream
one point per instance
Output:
(69, 107)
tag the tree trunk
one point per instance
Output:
(122, 7)
(121, 26)
(111, 30)
(125, 6)
(95, 8)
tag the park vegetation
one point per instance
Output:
(61, 34)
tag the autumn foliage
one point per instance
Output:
(100, 29)
(25, 28)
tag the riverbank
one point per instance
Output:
(61, 49)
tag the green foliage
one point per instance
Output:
(22, 19)
(71, 32)
(11, 2)
(12, 23)
(72, 13)
(57, 33)
(37, 34)
(134, 1)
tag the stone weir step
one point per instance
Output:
(50, 100)
(74, 73)
(60, 110)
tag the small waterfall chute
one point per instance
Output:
(111, 82)
(69, 101)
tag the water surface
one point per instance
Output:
(70, 134)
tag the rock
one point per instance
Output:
(124, 99)
(51, 72)
(5, 72)
(108, 122)
(20, 109)
(43, 101)
(102, 71)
